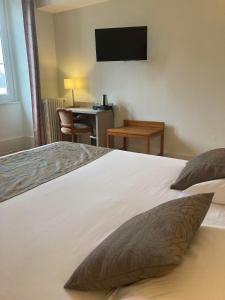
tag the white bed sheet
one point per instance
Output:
(45, 233)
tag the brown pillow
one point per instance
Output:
(148, 245)
(205, 167)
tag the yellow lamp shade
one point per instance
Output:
(74, 83)
(69, 84)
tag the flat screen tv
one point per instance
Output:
(121, 44)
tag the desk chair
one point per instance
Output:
(69, 126)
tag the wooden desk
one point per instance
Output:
(102, 121)
(138, 129)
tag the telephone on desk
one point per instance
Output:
(104, 106)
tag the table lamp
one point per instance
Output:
(73, 84)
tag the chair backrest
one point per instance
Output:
(66, 118)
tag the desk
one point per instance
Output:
(138, 129)
(102, 121)
(84, 110)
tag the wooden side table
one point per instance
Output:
(138, 129)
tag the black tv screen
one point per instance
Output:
(121, 44)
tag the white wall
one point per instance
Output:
(11, 122)
(55, 6)
(16, 118)
(47, 54)
(181, 84)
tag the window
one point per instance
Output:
(7, 91)
(3, 84)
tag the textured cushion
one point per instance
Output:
(148, 245)
(205, 167)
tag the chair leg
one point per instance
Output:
(61, 136)
(74, 138)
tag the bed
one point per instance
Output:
(47, 230)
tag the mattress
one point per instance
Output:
(46, 232)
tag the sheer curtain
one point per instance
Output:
(29, 7)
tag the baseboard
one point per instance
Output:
(140, 147)
(14, 145)
(29, 142)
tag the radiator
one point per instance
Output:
(51, 120)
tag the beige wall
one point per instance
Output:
(181, 84)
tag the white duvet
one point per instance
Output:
(45, 233)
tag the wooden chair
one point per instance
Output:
(68, 127)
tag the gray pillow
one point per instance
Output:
(205, 167)
(148, 245)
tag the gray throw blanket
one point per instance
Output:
(26, 170)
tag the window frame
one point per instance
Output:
(7, 56)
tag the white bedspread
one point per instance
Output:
(45, 233)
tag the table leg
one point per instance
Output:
(148, 145)
(109, 141)
(125, 143)
(162, 144)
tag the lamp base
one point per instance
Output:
(73, 97)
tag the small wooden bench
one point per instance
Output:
(138, 129)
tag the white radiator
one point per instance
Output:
(51, 120)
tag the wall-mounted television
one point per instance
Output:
(121, 44)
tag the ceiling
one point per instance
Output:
(56, 6)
